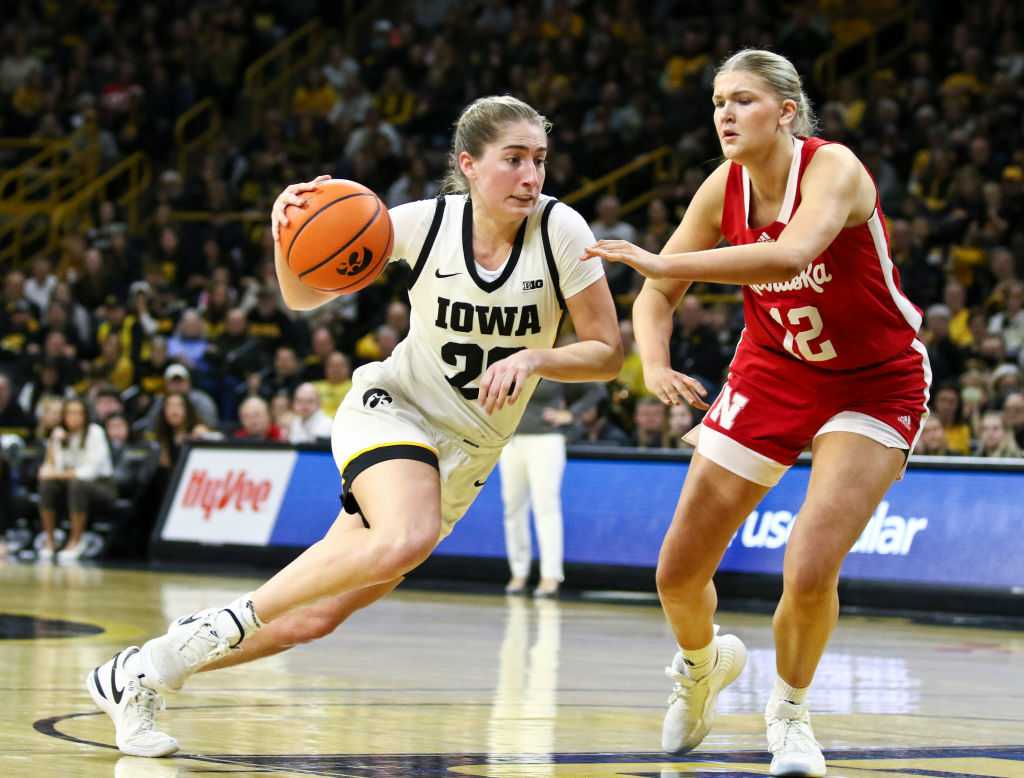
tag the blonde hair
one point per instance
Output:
(779, 73)
(479, 124)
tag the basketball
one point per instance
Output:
(340, 242)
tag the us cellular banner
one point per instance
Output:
(961, 528)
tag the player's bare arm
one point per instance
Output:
(832, 186)
(596, 356)
(653, 308)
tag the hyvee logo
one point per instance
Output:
(235, 491)
(375, 397)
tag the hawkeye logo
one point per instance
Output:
(374, 397)
(235, 491)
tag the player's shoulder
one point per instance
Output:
(560, 216)
(414, 210)
(829, 155)
(710, 195)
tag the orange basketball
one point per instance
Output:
(341, 241)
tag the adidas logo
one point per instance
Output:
(905, 421)
(765, 238)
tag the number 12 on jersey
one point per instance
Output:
(473, 367)
(802, 337)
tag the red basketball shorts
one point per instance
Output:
(772, 408)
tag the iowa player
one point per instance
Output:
(495, 264)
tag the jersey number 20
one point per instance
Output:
(802, 339)
(453, 353)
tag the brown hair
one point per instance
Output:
(479, 124)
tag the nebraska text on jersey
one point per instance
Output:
(813, 277)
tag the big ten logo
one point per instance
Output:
(235, 491)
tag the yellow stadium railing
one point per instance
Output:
(269, 78)
(22, 237)
(195, 131)
(659, 163)
(888, 40)
(51, 176)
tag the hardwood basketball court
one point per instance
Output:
(439, 684)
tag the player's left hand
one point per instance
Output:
(504, 380)
(644, 262)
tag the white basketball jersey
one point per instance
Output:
(461, 323)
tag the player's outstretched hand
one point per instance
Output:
(674, 388)
(504, 380)
(644, 262)
(291, 196)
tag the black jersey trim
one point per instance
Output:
(549, 255)
(374, 456)
(467, 251)
(428, 244)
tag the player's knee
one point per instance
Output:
(400, 551)
(675, 580)
(308, 624)
(809, 579)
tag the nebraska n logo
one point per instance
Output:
(727, 407)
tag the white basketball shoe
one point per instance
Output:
(167, 661)
(131, 706)
(691, 706)
(795, 752)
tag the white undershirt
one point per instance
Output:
(491, 275)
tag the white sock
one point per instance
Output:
(238, 620)
(700, 661)
(791, 694)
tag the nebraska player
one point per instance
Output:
(829, 358)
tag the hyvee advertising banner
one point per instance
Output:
(229, 496)
(960, 528)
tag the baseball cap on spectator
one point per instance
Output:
(939, 309)
(113, 301)
(1003, 370)
(176, 371)
(140, 287)
(1013, 173)
(108, 390)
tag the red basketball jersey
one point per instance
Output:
(846, 309)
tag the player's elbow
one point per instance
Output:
(792, 261)
(611, 365)
(305, 301)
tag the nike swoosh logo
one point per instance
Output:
(118, 693)
(189, 620)
(439, 274)
(479, 483)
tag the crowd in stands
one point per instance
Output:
(178, 331)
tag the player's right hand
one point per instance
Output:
(291, 196)
(673, 388)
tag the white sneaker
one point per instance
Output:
(168, 661)
(691, 706)
(71, 554)
(206, 614)
(44, 554)
(795, 752)
(131, 706)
